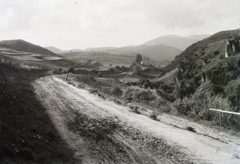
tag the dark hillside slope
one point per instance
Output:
(160, 52)
(27, 134)
(205, 79)
(21, 45)
(200, 46)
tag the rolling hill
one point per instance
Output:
(155, 52)
(59, 51)
(21, 45)
(99, 49)
(54, 49)
(176, 41)
(24, 54)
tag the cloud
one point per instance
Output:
(87, 23)
(15, 15)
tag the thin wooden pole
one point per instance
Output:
(224, 111)
(66, 76)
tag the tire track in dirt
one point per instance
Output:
(138, 138)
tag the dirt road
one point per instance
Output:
(101, 131)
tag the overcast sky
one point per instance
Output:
(69, 24)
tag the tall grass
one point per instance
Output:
(197, 107)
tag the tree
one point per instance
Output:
(71, 69)
(136, 70)
(138, 58)
(60, 70)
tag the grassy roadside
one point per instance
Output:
(153, 109)
(27, 134)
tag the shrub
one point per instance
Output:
(116, 91)
(135, 110)
(89, 80)
(197, 106)
(58, 71)
(232, 90)
(216, 52)
(154, 114)
(100, 74)
(139, 95)
(106, 90)
(71, 69)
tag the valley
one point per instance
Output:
(133, 104)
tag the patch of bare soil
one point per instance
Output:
(101, 131)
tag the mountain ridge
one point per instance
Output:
(176, 41)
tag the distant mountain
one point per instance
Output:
(54, 49)
(59, 51)
(176, 41)
(99, 49)
(198, 37)
(155, 52)
(72, 50)
(21, 45)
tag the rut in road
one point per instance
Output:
(102, 131)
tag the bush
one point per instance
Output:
(89, 80)
(232, 90)
(154, 115)
(116, 91)
(100, 74)
(139, 95)
(71, 69)
(216, 52)
(197, 106)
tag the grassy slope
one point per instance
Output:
(200, 45)
(27, 134)
(21, 45)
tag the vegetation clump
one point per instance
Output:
(197, 107)
(139, 95)
(116, 91)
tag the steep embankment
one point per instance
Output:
(203, 67)
(197, 47)
(27, 135)
(205, 62)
